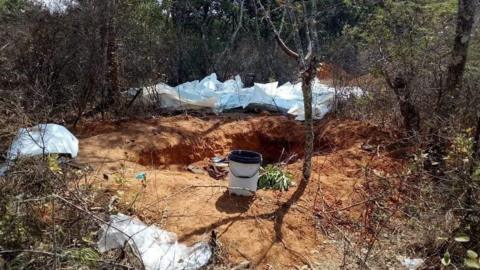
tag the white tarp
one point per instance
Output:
(43, 139)
(4, 168)
(56, 6)
(213, 94)
(158, 249)
(411, 264)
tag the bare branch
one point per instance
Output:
(308, 33)
(310, 49)
(240, 22)
(279, 39)
(237, 29)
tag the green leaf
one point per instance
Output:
(471, 263)
(274, 177)
(472, 254)
(462, 238)
(446, 259)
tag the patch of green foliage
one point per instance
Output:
(84, 256)
(120, 175)
(470, 259)
(14, 232)
(53, 163)
(274, 177)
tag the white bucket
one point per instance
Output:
(243, 175)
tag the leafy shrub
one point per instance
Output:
(274, 177)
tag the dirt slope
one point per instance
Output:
(192, 205)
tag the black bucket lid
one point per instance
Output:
(245, 156)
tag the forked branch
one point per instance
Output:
(282, 43)
(309, 39)
(279, 39)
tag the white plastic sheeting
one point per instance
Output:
(43, 139)
(4, 168)
(158, 249)
(56, 6)
(411, 264)
(219, 96)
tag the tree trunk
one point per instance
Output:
(110, 88)
(455, 70)
(307, 78)
(113, 92)
(410, 114)
(308, 64)
(411, 117)
(465, 20)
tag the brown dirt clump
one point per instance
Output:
(192, 205)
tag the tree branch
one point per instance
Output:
(309, 39)
(279, 39)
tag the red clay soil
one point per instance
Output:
(192, 205)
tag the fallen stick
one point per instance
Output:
(356, 204)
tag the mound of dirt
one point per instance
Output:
(194, 205)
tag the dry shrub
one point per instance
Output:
(45, 219)
(377, 104)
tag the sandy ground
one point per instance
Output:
(194, 205)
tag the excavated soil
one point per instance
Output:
(194, 205)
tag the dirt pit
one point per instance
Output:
(194, 205)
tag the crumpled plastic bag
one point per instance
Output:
(43, 139)
(158, 249)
